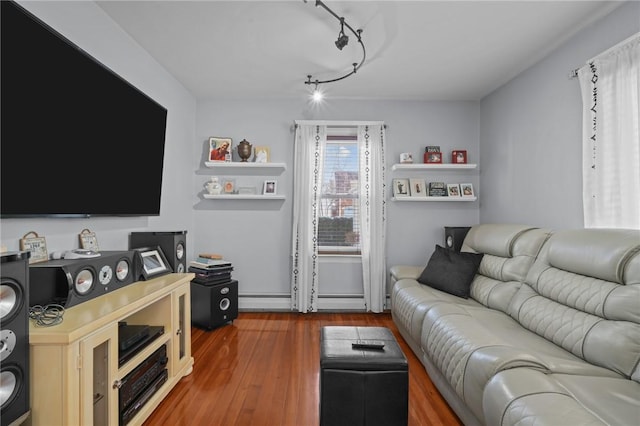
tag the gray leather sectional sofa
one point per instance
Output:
(550, 332)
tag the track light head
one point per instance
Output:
(342, 40)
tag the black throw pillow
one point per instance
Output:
(451, 271)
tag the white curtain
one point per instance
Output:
(310, 144)
(310, 141)
(373, 216)
(610, 86)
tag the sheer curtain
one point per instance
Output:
(610, 86)
(310, 143)
(371, 140)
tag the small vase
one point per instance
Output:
(244, 150)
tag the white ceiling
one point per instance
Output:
(422, 50)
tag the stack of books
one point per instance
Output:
(211, 269)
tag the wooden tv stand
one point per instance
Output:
(74, 372)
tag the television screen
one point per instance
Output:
(76, 139)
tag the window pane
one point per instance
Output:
(339, 219)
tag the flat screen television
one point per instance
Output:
(76, 139)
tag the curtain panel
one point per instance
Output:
(610, 88)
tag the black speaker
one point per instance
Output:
(14, 337)
(214, 305)
(172, 243)
(69, 282)
(454, 236)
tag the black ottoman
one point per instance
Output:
(362, 386)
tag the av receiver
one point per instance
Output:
(69, 282)
(134, 383)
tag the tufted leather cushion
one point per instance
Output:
(450, 271)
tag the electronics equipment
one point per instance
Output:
(14, 336)
(107, 137)
(173, 244)
(129, 413)
(155, 331)
(212, 276)
(213, 305)
(454, 236)
(69, 282)
(129, 335)
(134, 383)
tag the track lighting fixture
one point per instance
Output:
(340, 43)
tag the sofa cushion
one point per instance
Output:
(451, 271)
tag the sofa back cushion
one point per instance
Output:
(509, 251)
(583, 294)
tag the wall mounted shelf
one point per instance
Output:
(435, 199)
(243, 197)
(421, 166)
(241, 168)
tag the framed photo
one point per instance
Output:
(459, 157)
(453, 190)
(246, 190)
(401, 188)
(466, 190)
(417, 188)
(220, 149)
(35, 244)
(88, 240)
(406, 158)
(269, 187)
(228, 186)
(153, 262)
(433, 157)
(261, 154)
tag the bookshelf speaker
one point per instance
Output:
(454, 236)
(172, 243)
(14, 336)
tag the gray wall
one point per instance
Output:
(256, 235)
(531, 133)
(85, 24)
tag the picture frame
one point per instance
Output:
(220, 149)
(453, 190)
(35, 244)
(261, 154)
(246, 190)
(417, 187)
(269, 187)
(433, 158)
(152, 262)
(406, 158)
(229, 186)
(401, 188)
(88, 240)
(466, 190)
(459, 156)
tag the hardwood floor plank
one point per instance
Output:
(263, 370)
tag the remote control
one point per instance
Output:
(367, 344)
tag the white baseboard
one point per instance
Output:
(283, 303)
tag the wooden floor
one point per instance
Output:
(263, 370)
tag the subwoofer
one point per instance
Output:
(69, 282)
(14, 337)
(172, 243)
(454, 236)
(214, 305)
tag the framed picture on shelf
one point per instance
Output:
(417, 188)
(220, 149)
(459, 157)
(228, 186)
(269, 187)
(261, 154)
(37, 245)
(433, 157)
(401, 188)
(453, 190)
(466, 190)
(88, 240)
(406, 158)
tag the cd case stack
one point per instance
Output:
(211, 271)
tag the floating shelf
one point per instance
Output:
(237, 167)
(243, 197)
(435, 199)
(421, 166)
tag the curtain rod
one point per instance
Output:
(330, 123)
(574, 72)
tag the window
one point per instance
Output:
(338, 216)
